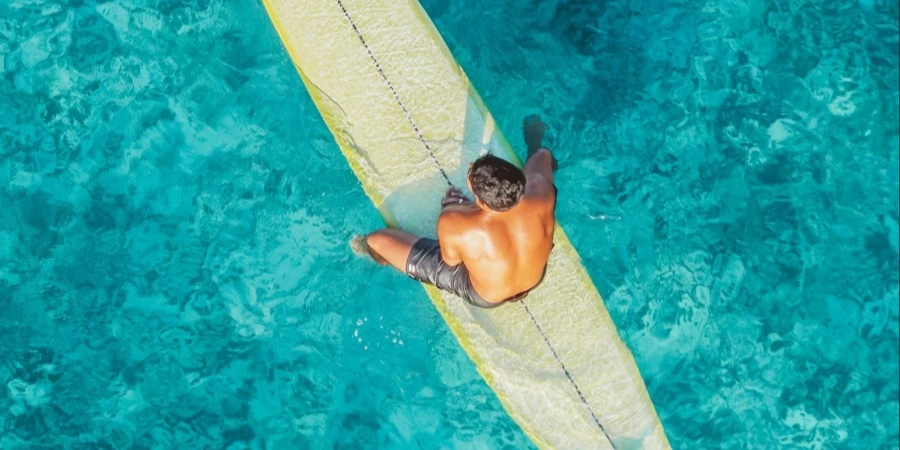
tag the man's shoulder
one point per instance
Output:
(454, 221)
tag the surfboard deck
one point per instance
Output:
(392, 95)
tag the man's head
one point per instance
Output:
(496, 183)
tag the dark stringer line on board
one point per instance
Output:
(447, 179)
(568, 375)
(394, 92)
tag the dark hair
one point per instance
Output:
(496, 182)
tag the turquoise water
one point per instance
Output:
(174, 217)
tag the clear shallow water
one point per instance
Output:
(174, 219)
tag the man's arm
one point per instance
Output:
(448, 234)
(541, 163)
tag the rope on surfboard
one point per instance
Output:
(394, 92)
(447, 179)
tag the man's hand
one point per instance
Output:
(533, 129)
(454, 196)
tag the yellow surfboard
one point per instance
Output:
(405, 116)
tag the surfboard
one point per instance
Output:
(408, 121)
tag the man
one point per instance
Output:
(491, 250)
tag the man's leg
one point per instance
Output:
(390, 246)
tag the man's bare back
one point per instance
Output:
(491, 250)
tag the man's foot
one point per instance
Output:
(533, 128)
(360, 246)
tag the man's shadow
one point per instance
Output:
(415, 206)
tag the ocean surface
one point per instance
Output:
(174, 219)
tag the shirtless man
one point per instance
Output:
(488, 251)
